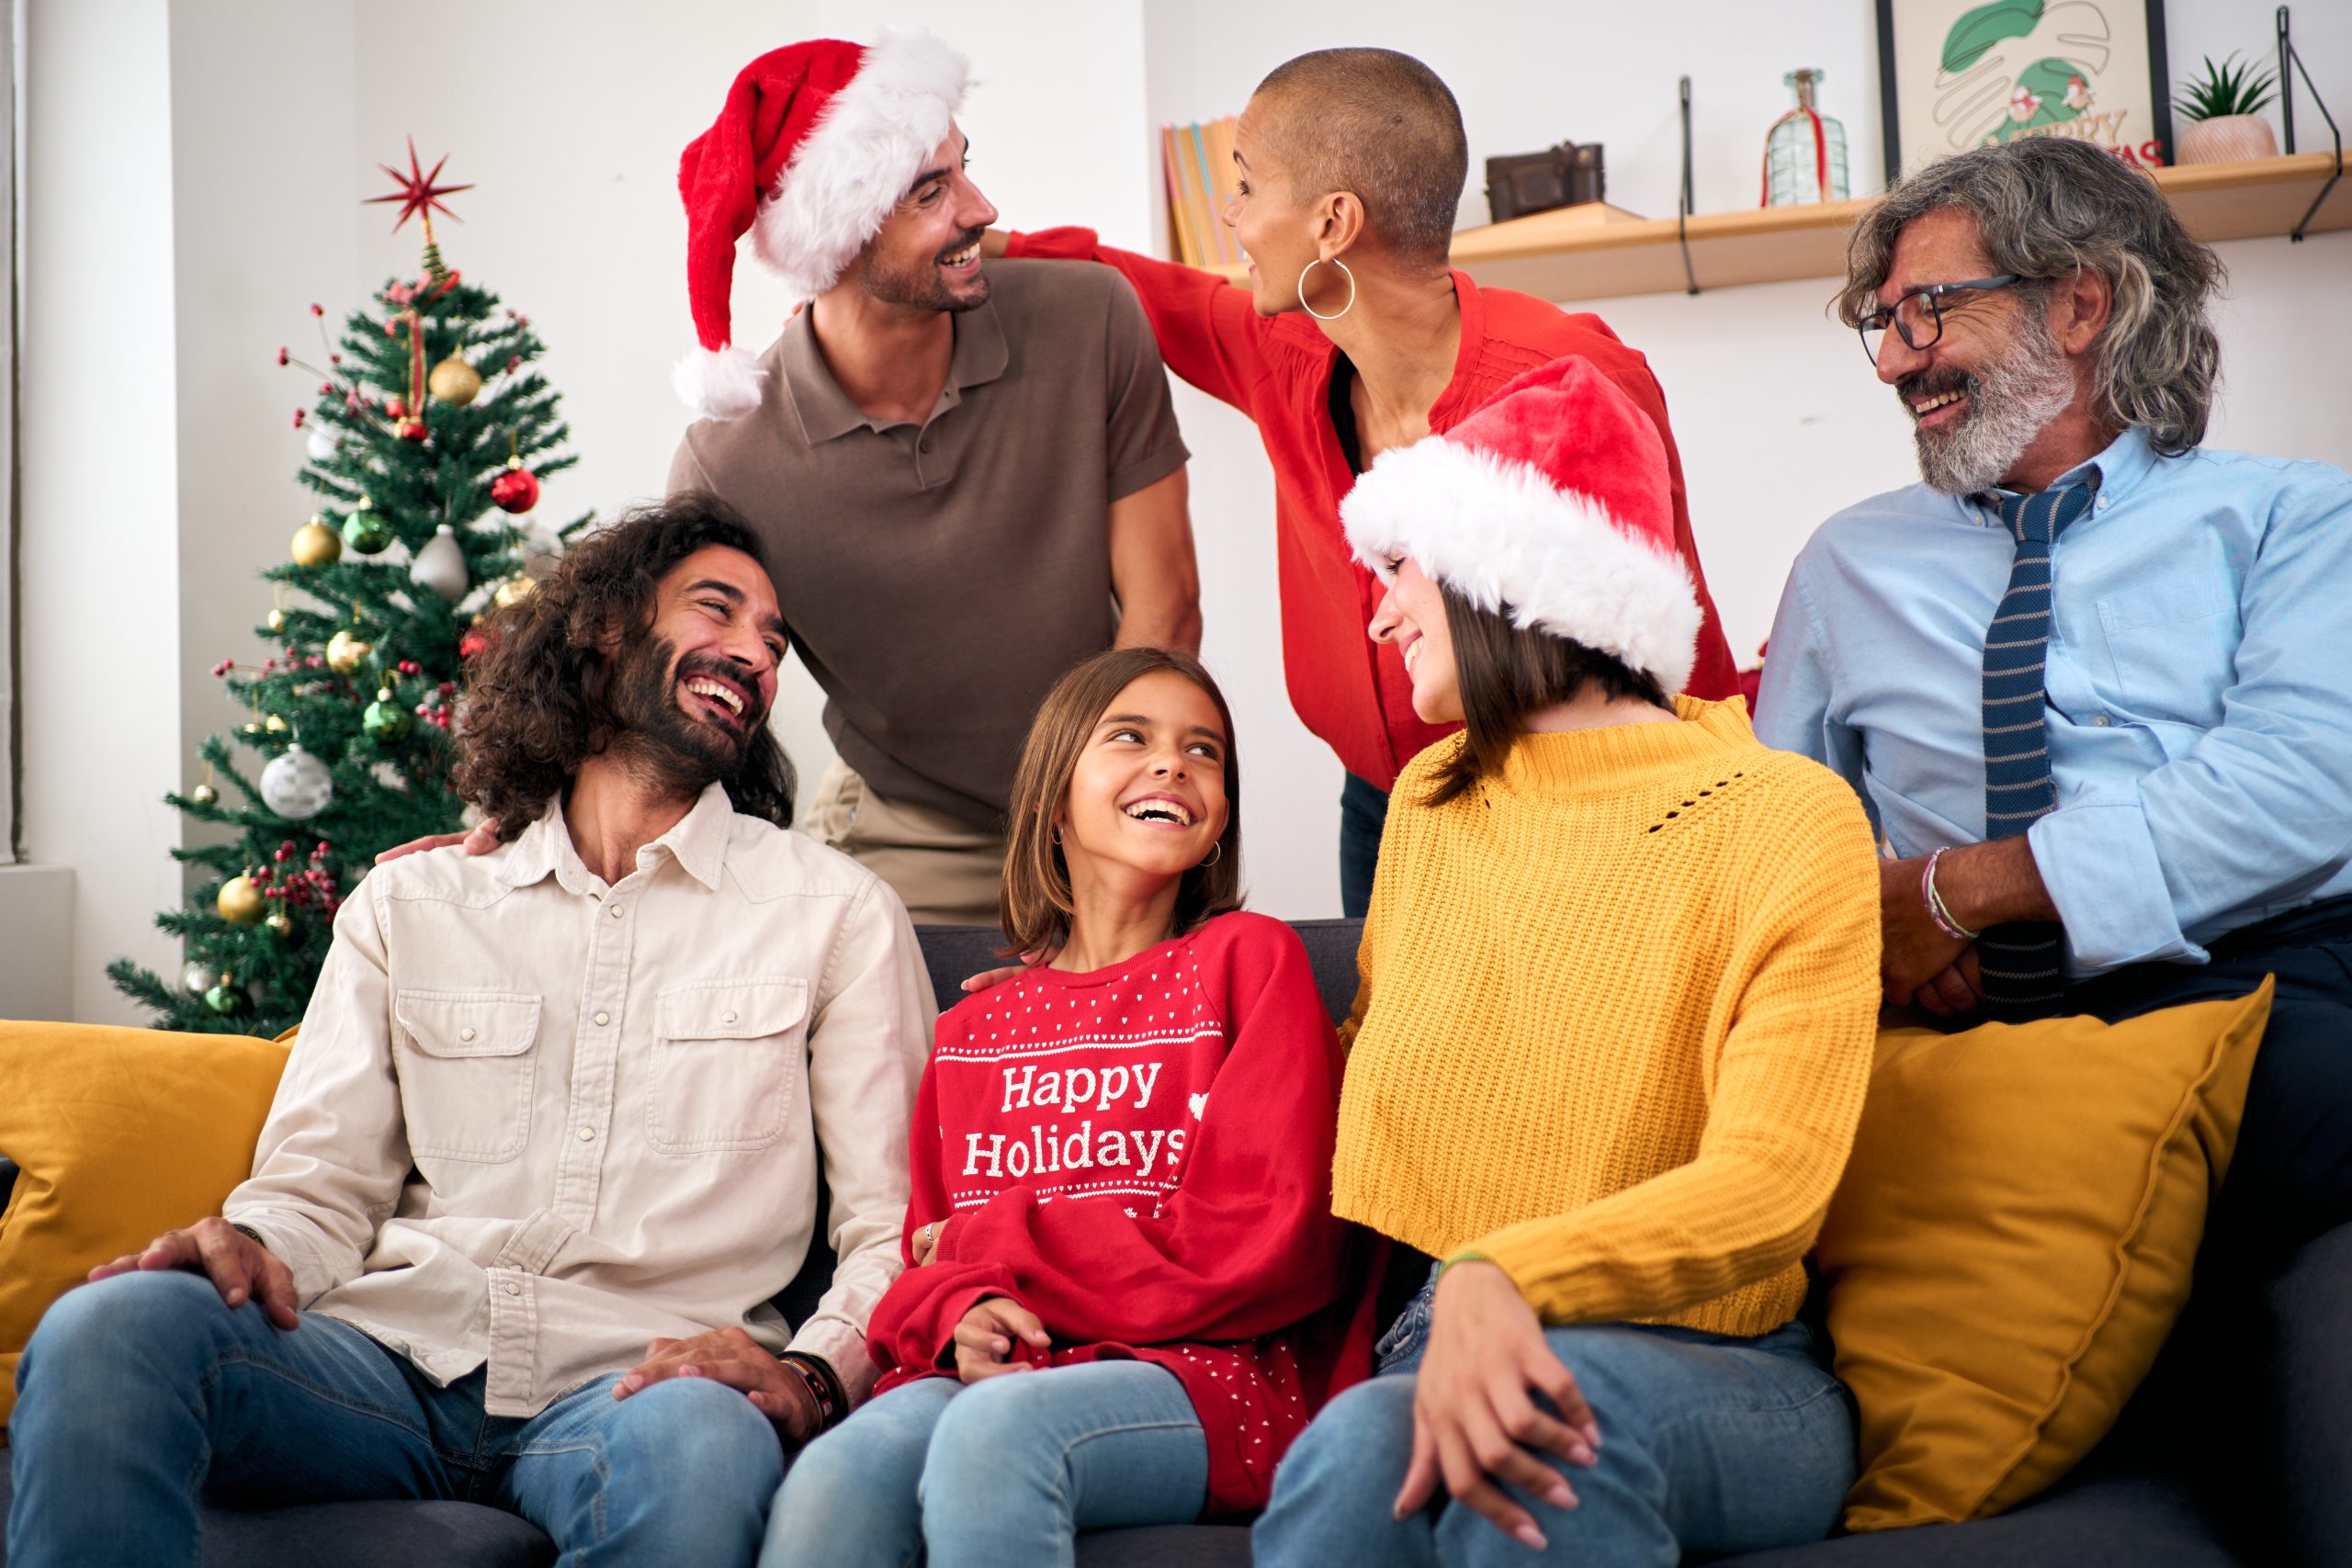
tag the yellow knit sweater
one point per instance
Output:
(1616, 1021)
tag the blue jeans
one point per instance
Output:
(1708, 1444)
(1363, 817)
(139, 1392)
(1003, 1472)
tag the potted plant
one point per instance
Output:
(2223, 110)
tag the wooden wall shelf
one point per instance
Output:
(1598, 251)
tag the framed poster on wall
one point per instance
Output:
(1960, 73)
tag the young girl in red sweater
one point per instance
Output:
(1125, 1291)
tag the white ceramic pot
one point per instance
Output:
(2229, 139)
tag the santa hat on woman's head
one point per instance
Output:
(815, 144)
(1552, 499)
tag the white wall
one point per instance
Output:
(159, 464)
(100, 554)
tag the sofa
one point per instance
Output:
(2248, 1407)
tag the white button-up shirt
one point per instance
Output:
(536, 1120)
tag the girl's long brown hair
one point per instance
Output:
(1037, 903)
(1507, 672)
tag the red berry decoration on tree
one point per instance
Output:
(516, 489)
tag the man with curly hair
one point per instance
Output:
(480, 1257)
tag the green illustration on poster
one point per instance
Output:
(1974, 76)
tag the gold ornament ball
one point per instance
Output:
(454, 381)
(346, 653)
(514, 591)
(277, 622)
(204, 794)
(274, 724)
(315, 543)
(239, 901)
(278, 924)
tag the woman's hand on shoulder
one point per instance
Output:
(973, 985)
(984, 1339)
(1476, 1420)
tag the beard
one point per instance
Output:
(920, 285)
(658, 738)
(2010, 402)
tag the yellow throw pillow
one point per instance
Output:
(121, 1134)
(2013, 1240)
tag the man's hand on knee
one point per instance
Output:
(240, 1268)
(732, 1357)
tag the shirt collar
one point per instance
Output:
(2110, 474)
(697, 841)
(826, 411)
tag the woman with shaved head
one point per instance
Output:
(1351, 337)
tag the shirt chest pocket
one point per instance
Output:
(465, 1066)
(727, 1059)
(2174, 642)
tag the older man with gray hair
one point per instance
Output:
(2093, 682)
(2091, 678)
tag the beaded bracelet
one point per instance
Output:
(824, 1387)
(1463, 1257)
(1938, 911)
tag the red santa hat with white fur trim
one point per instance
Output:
(1552, 502)
(815, 144)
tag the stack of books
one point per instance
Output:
(1199, 160)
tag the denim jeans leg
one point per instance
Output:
(1020, 1463)
(139, 1391)
(1709, 1444)
(1363, 817)
(852, 1498)
(1334, 1494)
(680, 1471)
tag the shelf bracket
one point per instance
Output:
(1682, 207)
(2290, 55)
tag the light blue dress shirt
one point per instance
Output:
(2200, 679)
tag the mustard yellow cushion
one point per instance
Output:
(122, 1134)
(2013, 1240)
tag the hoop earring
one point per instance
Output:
(1217, 853)
(1054, 832)
(1344, 310)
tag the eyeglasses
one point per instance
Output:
(1918, 317)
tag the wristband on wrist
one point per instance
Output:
(1463, 1257)
(1938, 911)
(824, 1385)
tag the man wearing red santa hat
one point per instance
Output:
(967, 481)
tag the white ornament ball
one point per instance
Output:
(441, 565)
(538, 550)
(323, 444)
(198, 977)
(295, 785)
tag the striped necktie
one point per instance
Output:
(2023, 963)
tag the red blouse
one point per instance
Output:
(1350, 691)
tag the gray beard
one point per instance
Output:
(2010, 402)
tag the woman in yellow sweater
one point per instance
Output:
(1620, 980)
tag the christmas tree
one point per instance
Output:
(429, 436)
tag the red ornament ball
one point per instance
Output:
(516, 489)
(395, 408)
(411, 430)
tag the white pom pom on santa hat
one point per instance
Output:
(1551, 501)
(831, 134)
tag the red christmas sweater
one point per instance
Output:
(1353, 691)
(1141, 1155)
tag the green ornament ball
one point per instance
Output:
(225, 997)
(386, 721)
(366, 533)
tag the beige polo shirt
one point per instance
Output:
(938, 577)
(536, 1120)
